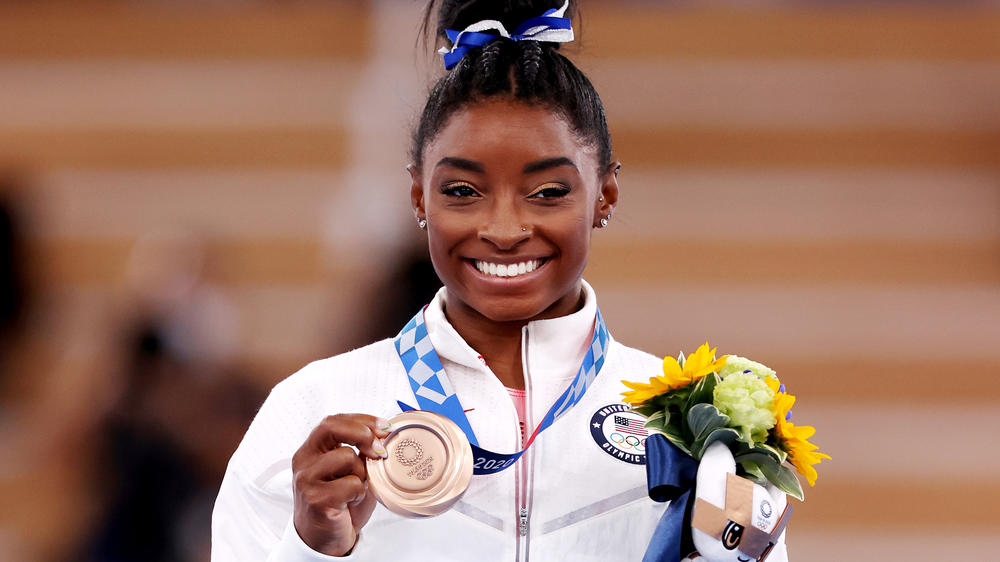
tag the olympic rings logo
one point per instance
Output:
(626, 442)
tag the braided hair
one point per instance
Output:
(531, 72)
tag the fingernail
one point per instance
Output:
(379, 448)
(383, 424)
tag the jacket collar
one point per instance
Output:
(555, 346)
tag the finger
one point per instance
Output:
(359, 430)
(340, 462)
(362, 511)
(343, 492)
(380, 426)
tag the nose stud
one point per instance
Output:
(524, 229)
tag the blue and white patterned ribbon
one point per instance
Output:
(434, 392)
(551, 27)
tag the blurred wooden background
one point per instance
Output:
(816, 186)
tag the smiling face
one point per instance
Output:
(511, 195)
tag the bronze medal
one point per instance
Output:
(429, 465)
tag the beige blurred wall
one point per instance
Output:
(815, 186)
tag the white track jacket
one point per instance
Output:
(579, 493)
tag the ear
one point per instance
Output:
(608, 193)
(417, 192)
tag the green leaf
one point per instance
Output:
(646, 409)
(675, 430)
(657, 425)
(778, 474)
(773, 451)
(738, 447)
(703, 391)
(761, 449)
(785, 480)
(726, 435)
(679, 442)
(657, 414)
(752, 472)
(754, 455)
(657, 421)
(703, 419)
(674, 426)
(677, 398)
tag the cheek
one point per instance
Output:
(575, 236)
(445, 232)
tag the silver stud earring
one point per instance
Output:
(422, 223)
(601, 198)
(604, 222)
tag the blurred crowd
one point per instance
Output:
(119, 457)
(121, 464)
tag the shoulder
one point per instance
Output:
(343, 369)
(636, 359)
(627, 363)
(363, 380)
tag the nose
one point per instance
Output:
(503, 227)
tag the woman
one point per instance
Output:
(511, 172)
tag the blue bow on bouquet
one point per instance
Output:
(671, 476)
(550, 27)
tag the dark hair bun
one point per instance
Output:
(459, 14)
(531, 72)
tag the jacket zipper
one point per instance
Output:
(522, 477)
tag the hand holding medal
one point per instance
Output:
(331, 496)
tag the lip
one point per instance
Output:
(507, 281)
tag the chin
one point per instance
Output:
(510, 310)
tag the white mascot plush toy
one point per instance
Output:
(735, 520)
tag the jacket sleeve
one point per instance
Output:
(252, 519)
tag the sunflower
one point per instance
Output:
(675, 375)
(794, 439)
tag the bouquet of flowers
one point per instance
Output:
(701, 400)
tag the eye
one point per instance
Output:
(550, 191)
(459, 190)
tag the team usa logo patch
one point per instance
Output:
(620, 433)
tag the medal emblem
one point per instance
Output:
(620, 433)
(429, 465)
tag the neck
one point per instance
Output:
(500, 342)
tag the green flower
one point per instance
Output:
(737, 364)
(748, 402)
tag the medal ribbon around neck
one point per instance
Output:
(434, 392)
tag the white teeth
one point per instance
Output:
(507, 270)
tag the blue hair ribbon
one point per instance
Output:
(550, 27)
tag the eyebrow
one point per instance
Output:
(540, 165)
(529, 168)
(461, 164)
